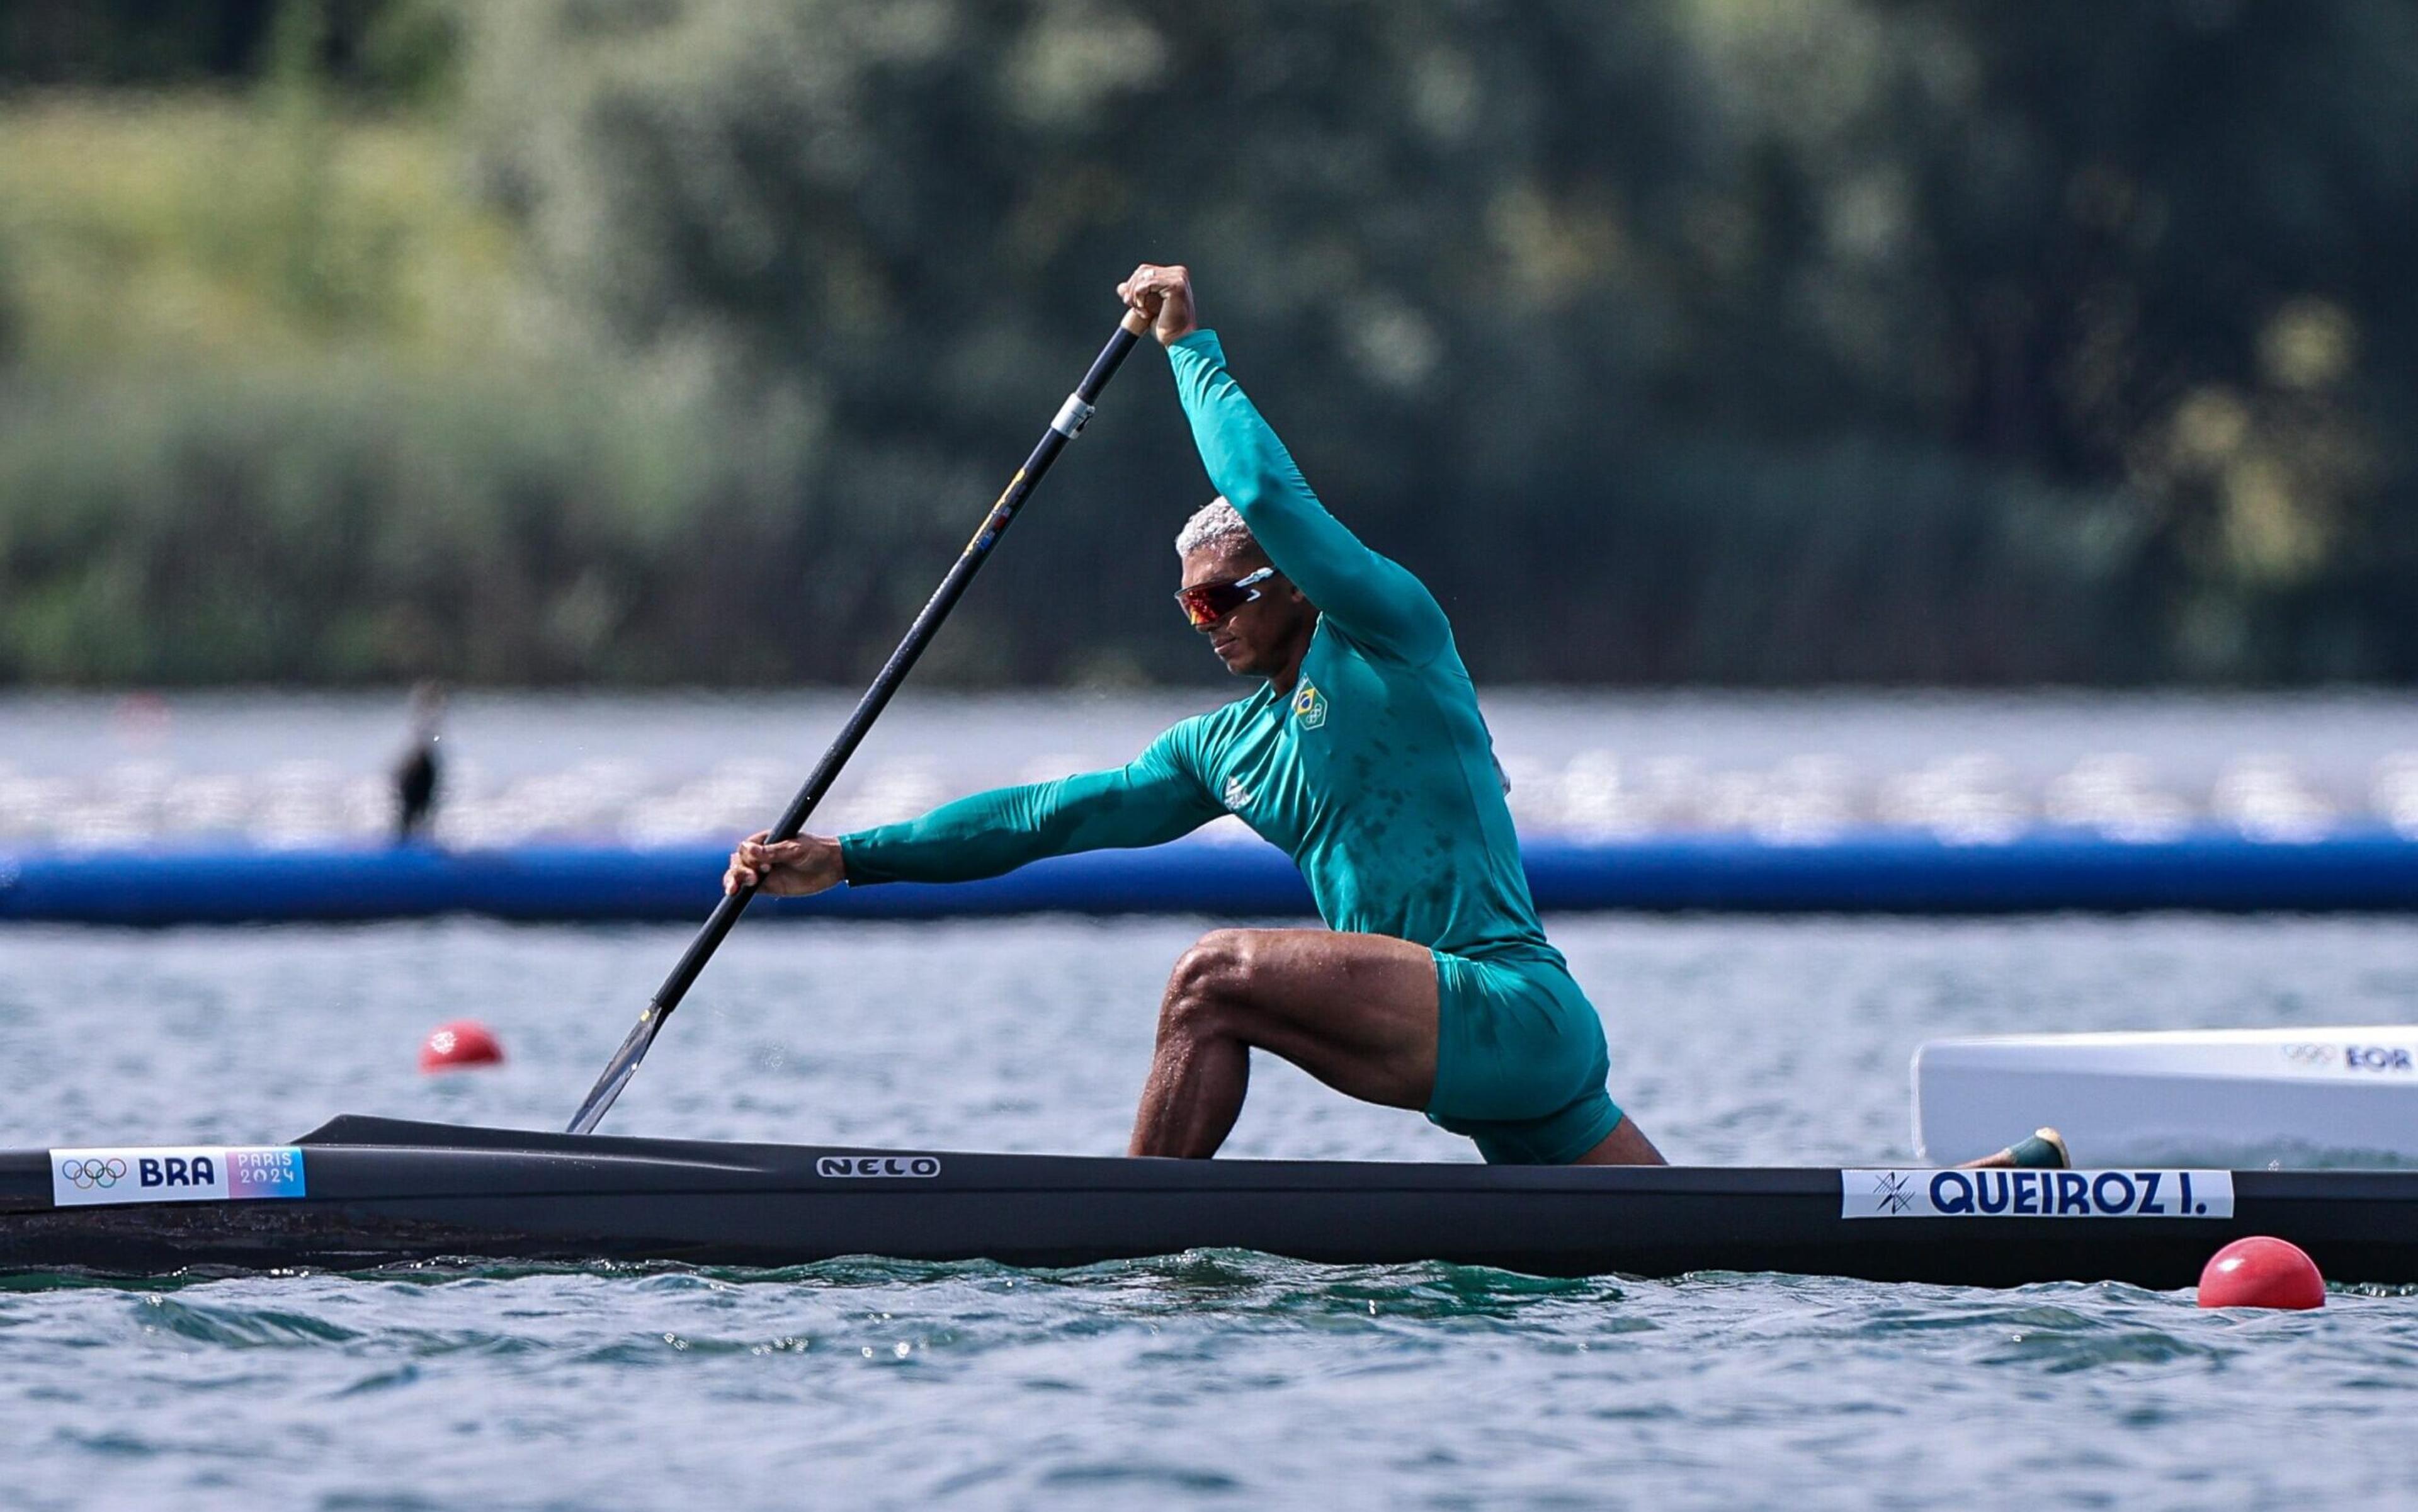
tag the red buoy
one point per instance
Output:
(2260, 1272)
(465, 1042)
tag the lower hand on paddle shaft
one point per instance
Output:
(810, 863)
(825, 869)
(785, 869)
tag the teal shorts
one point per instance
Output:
(1521, 1062)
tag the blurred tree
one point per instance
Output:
(2159, 247)
(397, 47)
(130, 42)
(1484, 263)
(1868, 340)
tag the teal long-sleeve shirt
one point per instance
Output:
(1376, 774)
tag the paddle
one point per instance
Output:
(1063, 429)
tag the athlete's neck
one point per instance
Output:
(1282, 681)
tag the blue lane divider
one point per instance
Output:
(1878, 871)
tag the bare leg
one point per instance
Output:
(1358, 1012)
(1624, 1146)
(1194, 1092)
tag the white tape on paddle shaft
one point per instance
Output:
(1072, 417)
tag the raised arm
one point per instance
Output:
(1368, 597)
(1372, 599)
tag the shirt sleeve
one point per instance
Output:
(1154, 798)
(1372, 599)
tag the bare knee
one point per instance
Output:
(1207, 980)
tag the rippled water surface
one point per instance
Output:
(1204, 1379)
(106, 771)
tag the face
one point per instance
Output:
(1264, 637)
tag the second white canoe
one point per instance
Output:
(2240, 1098)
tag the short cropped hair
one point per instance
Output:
(1216, 524)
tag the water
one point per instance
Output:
(1199, 1380)
(95, 771)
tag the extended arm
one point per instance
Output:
(1370, 598)
(1151, 800)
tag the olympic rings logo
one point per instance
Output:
(89, 1174)
(2313, 1054)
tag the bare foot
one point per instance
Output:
(2043, 1151)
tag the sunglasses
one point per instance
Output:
(1207, 603)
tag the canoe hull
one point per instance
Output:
(384, 1193)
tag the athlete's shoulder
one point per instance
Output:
(1202, 735)
(1443, 666)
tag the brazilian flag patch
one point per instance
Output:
(1309, 706)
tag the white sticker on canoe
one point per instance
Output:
(2036, 1194)
(83, 1178)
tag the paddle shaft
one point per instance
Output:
(1070, 422)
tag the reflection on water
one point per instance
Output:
(279, 771)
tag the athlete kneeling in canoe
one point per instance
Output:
(1367, 761)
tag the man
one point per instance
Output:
(417, 771)
(1366, 759)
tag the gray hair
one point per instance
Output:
(1216, 524)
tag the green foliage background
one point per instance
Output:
(1700, 340)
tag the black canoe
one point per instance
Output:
(360, 1192)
